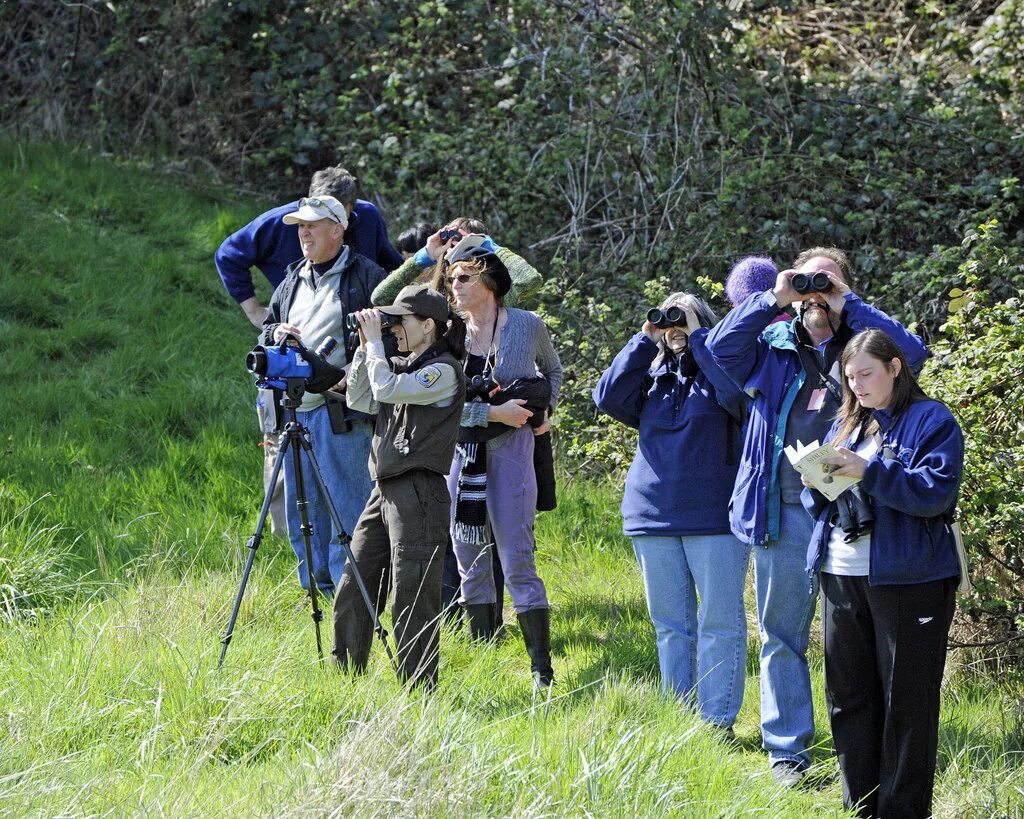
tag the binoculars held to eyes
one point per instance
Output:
(670, 317)
(450, 233)
(811, 282)
(386, 321)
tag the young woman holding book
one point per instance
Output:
(888, 578)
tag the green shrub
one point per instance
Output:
(978, 369)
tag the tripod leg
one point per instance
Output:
(336, 520)
(253, 545)
(294, 430)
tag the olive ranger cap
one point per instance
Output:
(419, 300)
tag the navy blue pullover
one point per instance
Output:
(686, 459)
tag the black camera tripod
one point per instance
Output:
(296, 437)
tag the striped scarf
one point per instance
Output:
(471, 495)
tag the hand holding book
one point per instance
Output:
(846, 463)
(829, 469)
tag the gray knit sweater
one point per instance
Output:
(524, 350)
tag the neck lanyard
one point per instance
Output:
(807, 351)
(491, 357)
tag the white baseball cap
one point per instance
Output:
(315, 208)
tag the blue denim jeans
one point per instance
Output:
(702, 646)
(785, 607)
(343, 463)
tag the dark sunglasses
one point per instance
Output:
(462, 278)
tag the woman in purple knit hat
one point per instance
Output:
(751, 274)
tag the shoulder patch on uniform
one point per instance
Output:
(428, 375)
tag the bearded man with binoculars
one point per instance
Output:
(791, 372)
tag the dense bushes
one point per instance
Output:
(618, 140)
(978, 369)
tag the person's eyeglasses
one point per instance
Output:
(462, 278)
(314, 202)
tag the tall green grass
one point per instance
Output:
(129, 483)
(128, 423)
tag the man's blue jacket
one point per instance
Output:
(271, 245)
(764, 361)
(686, 458)
(912, 482)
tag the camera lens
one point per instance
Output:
(256, 361)
(327, 346)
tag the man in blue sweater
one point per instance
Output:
(271, 245)
(791, 371)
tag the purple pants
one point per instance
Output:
(511, 506)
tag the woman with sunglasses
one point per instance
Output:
(888, 569)
(665, 384)
(401, 535)
(420, 267)
(492, 479)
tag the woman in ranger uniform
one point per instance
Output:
(401, 535)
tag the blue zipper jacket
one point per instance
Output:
(271, 245)
(764, 361)
(912, 483)
(685, 465)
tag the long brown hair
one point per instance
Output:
(905, 390)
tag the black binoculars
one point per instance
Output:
(480, 386)
(450, 233)
(670, 317)
(386, 321)
(811, 282)
(854, 514)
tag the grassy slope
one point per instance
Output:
(128, 486)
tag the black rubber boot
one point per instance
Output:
(536, 626)
(481, 621)
(499, 592)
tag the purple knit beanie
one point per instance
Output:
(751, 274)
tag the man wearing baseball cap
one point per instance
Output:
(330, 281)
(269, 244)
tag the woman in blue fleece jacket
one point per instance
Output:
(887, 587)
(665, 384)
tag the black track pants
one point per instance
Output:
(885, 650)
